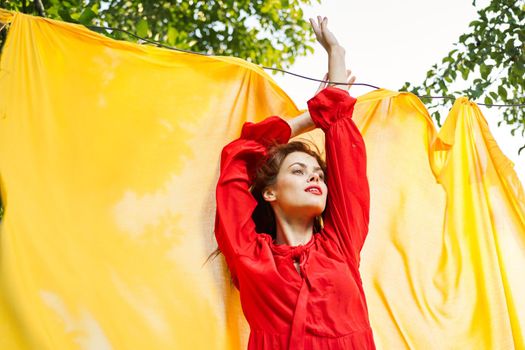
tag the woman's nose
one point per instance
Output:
(314, 177)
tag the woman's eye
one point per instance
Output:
(297, 171)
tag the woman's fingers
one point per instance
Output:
(317, 30)
(349, 75)
(323, 84)
(323, 24)
(314, 25)
(322, 33)
(350, 80)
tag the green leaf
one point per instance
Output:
(478, 91)
(172, 35)
(502, 92)
(465, 73)
(64, 14)
(485, 70)
(142, 28)
(87, 16)
(509, 46)
(475, 23)
(488, 100)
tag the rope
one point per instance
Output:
(291, 73)
(283, 70)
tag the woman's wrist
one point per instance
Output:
(337, 67)
(336, 50)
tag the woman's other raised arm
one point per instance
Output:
(337, 72)
(348, 204)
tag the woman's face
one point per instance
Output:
(300, 188)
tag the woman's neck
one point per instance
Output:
(293, 231)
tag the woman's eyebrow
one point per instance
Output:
(304, 166)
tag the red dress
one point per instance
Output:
(324, 306)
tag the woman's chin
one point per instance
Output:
(311, 210)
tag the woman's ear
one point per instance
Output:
(269, 194)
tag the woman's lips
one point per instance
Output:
(314, 190)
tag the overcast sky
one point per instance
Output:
(390, 42)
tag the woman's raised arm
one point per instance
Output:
(348, 204)
(337, 72)
(336, 53)
(234, 227)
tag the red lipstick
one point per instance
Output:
(314, 190)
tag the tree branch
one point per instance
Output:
(40, 8)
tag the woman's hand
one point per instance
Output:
(324, 36)
(336, 54)
(350, 79)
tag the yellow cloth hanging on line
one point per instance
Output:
(108, 160)
(109, 154)
(442, 264)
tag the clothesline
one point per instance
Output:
(288, 72)
(295, 74)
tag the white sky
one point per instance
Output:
(389, 42)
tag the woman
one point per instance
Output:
(299, 283)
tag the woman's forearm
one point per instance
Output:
(336, 66)
(300, 124)
(336, 73)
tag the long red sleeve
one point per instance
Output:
(348, 203)
(234, 227)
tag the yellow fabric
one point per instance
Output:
(108, 159)
(443, 263)
(109, 153)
